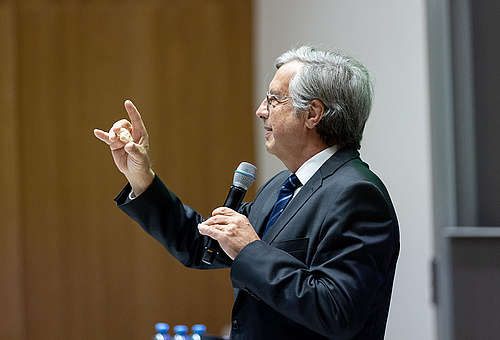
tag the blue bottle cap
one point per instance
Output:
(199, 328)
(162, 327)
(181, 329)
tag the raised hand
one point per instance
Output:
(131, 158)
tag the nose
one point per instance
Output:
(262, 111)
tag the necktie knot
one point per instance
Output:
(286, 193)
(291, 183)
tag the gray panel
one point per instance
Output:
(486, 46)
(476, 287)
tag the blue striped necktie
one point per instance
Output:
(286, 193)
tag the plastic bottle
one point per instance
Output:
(161, 331)
(181, 332)
(198, 331)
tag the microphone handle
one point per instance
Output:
(233, 201)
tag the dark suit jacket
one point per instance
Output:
(323, 271)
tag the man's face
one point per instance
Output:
(283, 126)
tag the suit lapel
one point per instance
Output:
(264, 209)
(327, 169)
(293, 207)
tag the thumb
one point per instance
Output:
(133, 150)
(138, 159)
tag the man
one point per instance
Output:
(324, 267)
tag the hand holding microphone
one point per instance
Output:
(228, 229)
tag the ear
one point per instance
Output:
(316, 110)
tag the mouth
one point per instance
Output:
(268, 130)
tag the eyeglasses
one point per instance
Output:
(272, 100)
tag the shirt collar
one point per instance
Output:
(309, 168)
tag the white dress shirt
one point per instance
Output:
(309, 168)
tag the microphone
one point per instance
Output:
(244, 176)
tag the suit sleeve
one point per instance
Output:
(333, 294)
(175, 225)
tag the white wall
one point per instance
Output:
(390, 38)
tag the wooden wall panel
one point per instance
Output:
(87, 270)
(12, 319)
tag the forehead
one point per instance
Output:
(283, 76)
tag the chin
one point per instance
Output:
(270, 149)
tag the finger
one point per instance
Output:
(225, 211)
(135, 117)
(122, 123)
(213, 231)
(113, 132)
(215, 220)
(104, 136)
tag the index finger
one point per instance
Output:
(135, 116)
(223, 211)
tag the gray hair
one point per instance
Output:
(341, 82)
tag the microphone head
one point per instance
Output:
(244, 175)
